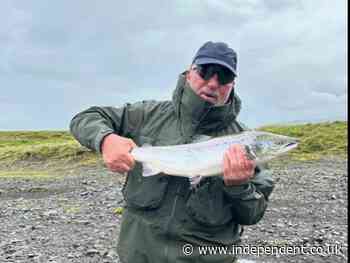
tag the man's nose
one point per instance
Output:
(213, 82)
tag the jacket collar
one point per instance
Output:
(199, 116)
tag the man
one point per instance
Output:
(166, 220)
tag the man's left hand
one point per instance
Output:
(238, 169)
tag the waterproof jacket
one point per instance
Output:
(163, 210)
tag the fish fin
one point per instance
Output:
(194, 181)
(201, 138)
(250, 153)
(148, 170)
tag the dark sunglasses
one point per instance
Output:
(207, 71)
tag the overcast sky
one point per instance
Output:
(60, 57)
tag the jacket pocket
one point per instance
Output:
(207, 204)
(144, 192)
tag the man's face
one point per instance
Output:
(209, 90)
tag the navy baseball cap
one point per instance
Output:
(216, 53)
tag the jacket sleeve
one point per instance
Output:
(89, 127)
(249, 200)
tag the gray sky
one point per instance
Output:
(60, 57)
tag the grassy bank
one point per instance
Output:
(316, 141)
(43, 146)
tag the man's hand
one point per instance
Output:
(238, 169)
(116, 153)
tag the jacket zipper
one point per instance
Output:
(166, 249)
(188, 139)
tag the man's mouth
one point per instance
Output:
(211, 95)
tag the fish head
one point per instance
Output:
(269, 145)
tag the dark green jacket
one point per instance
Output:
(162, 210)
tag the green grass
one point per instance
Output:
(118, 210)
(316, 140)
(23, 173)
(42, 146)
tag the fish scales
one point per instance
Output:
(205, 158)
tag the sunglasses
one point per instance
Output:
(207, 71)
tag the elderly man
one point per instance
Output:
(165, 219)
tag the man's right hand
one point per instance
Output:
(116, 153)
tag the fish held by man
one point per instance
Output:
(205, 158)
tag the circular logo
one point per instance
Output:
(187, 249)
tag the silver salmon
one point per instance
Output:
(205, 158)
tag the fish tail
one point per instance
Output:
(148, 170)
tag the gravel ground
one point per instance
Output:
(73, 218)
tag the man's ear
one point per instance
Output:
(188, 72)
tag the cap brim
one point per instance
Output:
(201, 61)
